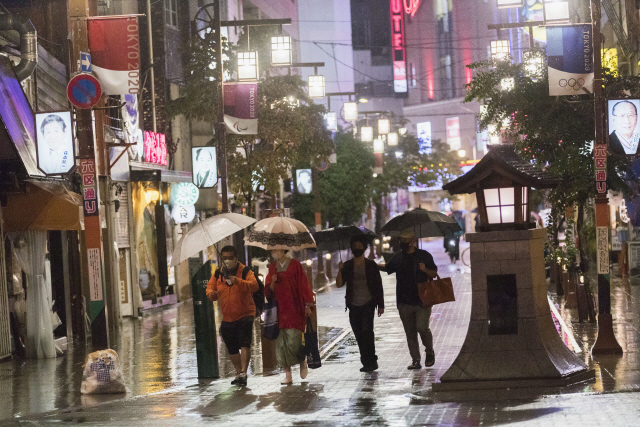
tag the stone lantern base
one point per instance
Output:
(512, 340)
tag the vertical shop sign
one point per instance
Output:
(602, 238)
(90, 206)
(600, 156)
(453, 133)
(398, 47)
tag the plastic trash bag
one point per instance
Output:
(102, 373)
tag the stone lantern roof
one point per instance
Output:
(501, 166)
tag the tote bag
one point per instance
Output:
(437, 291)
(271, 329)
(311, 346)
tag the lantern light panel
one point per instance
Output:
(378, 145)
(500, 203)
(503, 4)
(247, 65)
(316, 86)
(383, 126)
(351, 111)
(332, 121)
(281, 50)
(500, 50)
(507, 83)
(392, 139)
(556, 12)
(366, 134)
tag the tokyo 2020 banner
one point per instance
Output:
(570, 60)
(241, 108)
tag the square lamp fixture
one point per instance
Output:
(507, 84)
(392, 139)
(556, 11)
(383, 126)
(281, 50)
(378, 145)
(350, 111)
(366, 134)
(503, 207)
(332, 121)
(503, 4)
(533, 62)
(316, 86)
(500, 50)
(247, 65)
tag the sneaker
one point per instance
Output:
(429, 359)
(415, 365)
(242, 379)
(235, 380)
(369, 368)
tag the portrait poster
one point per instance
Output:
(205, 171)
(623, 132)
(54, 136)
(303, 181)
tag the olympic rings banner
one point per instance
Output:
(570, 59)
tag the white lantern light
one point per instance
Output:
(328, 256)
(332, 121)
(366, 134)
(281, 50)
(378, 145)
(556, 11)
(533, 63)
(316, 86)
(392, 139)
(461, 153)
(247, 65)
(383, 126)
(402, 131)
(503, 4)
(351, 111)
(500, 50)
(500, 204)
(507, 83)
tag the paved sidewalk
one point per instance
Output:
(166, 391)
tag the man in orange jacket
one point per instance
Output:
(235, 298)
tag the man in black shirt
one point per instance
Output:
(413, 266)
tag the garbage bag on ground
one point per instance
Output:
(102, 373)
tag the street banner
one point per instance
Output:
(241, 108)
(570, 59)
(114, 43)
(453, 133)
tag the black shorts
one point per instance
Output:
(237, 334)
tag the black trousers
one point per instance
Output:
(361, 319)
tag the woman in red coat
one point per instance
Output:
(287, 282)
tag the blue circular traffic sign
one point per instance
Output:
(84, 90)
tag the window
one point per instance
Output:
(500, 205)
(171, 12)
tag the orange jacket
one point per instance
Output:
(235, 301)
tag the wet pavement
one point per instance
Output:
(158, 358)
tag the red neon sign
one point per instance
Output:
(397, 45)
(155, 148)
(411, 6)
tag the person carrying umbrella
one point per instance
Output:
(234, 294)
(413, 266)
(364, 294)
(287, 283)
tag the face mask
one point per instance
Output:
(404, 246)
(357, 252)
(230, 264)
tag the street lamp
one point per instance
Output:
(507, 83)
(392, 139)
(402, 131)
(500, 50)
(332, 121)
(378, 145)
(350, 111)
(533, 63)
(461, 153)
(247, 65)
(383, 126)
(316, 86)
(366, 134)
(556, 11)
(281, 50)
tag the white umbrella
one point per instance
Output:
(279, 233)
(208, 232)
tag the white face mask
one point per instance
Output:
(230, 264)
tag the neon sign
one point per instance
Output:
(397, 44)
(411, 6)
(155, 148)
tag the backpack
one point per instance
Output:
(258, 296)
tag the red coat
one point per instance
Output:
(292, 293)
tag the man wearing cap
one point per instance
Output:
(413, 266)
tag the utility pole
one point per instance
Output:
(87, 167)
(606, 341)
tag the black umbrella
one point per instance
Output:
(338, 238)
(425, 223)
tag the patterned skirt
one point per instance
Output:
(290, 348)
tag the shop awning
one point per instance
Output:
(148, 172)
(47, 205)
(17, 128)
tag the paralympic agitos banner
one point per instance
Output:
(570, 59)
(241, 108)
(114, 43)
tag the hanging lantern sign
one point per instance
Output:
(184, 193)
(183, 214)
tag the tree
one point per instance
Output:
(554, 132)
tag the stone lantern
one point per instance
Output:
(512, 340)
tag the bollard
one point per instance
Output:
(205, 325)
(308, 269)
(328, 268)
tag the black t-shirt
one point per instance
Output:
(408, 274)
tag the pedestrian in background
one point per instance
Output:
(287, 283)
(413, 266)
(364, 294)
(235, 299)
